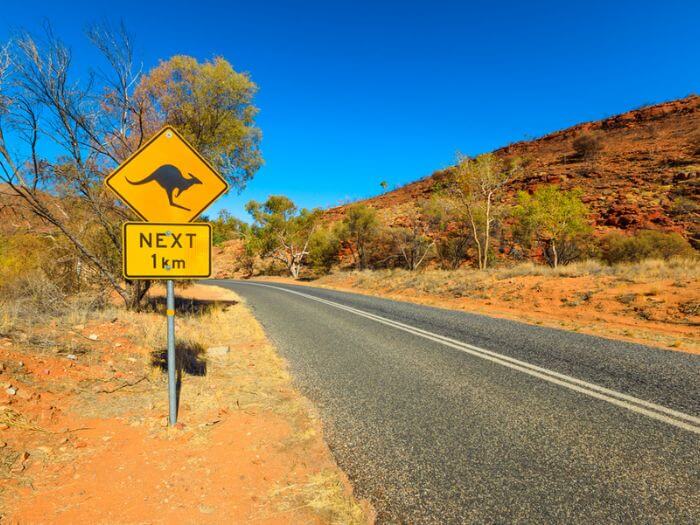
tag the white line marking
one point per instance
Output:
(640, 406)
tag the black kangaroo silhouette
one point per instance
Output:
(170, 179)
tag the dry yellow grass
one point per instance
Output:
(227, 321)
(465, 282)
(326, 495)
(662, 310)
(457, 282)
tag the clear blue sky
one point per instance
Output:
(353, 93)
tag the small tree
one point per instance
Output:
(449, 231)
(359, 227)
(283, 231)
(384, 185)
(324, 246)
(476, 187)
(553, 218)
(227, 227)
(412, 241)
(250, 256)
(588, 145)
(211, 104)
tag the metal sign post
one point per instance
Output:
(172, 381)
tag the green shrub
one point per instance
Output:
(684, 207)
(646, 244)
(227, 227)
(324, 246)
(555, 219)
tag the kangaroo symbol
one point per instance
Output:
(171, 180)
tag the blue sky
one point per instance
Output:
(353, 93)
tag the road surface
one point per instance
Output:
(440, 416)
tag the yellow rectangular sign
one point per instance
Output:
(153, 250)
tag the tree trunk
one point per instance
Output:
(477, 241)
(136, 290)
(555, 255)
(361, 263)
(487, 233)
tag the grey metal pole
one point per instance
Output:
(172, 393)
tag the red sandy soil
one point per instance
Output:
(85, 440)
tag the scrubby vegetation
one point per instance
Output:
(39, 279)
(555, 219)
(60, 136)
(468, 222)
(358, 230)
(588, 146)
(646, 244)
(472, 282)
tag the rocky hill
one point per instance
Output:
(645, 177)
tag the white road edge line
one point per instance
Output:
(628, 402)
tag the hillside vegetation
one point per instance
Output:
(620, 190)
(642, 172)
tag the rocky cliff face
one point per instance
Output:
(645, 177)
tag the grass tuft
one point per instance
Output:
(325, 494)
(468, 282)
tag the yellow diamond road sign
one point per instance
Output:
(166, 180)
(154, 250)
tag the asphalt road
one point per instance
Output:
(440, 416)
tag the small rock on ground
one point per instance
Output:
(217, 351)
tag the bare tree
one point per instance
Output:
(412, 240)
(42, 106)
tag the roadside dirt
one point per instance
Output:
(83, 435)
(661, 313)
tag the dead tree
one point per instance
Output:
(93, 124)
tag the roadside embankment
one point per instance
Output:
(83, 413)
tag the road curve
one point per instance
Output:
(440, 416)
